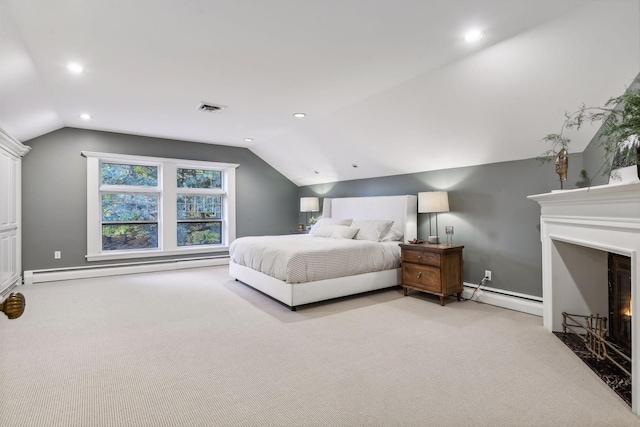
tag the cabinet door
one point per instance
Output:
(8, 258)
(9, 227)
(8, 191)
(421, 276)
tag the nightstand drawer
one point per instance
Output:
(420, 257)
(427, 278)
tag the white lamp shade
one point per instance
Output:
(433, 201)
(309, 204)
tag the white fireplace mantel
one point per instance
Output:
(577, 229)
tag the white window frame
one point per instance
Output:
(167, 215)
(201, 192)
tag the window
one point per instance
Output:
(143, 206)
(199, 207)
(129, 196)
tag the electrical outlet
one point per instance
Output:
(57, 255)
(487, 275)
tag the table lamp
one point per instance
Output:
(433, 202)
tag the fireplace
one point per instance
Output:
(579, 229)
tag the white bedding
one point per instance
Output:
(304, 258)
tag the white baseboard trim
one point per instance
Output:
(53, 275)
(505, 299)
(498, 297)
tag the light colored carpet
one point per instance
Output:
(196, 348)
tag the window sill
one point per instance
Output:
(115, 255)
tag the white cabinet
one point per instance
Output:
(11, 153)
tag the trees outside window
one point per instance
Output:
(199, 207)
(130, 209)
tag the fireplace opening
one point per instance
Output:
(605, 346)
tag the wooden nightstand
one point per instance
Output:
(436, 269)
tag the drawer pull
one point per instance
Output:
(419, 274)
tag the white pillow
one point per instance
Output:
(344, 232)
(328, 230)
(393, 236)
(372, 229)
(330, 221)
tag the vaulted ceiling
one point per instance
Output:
(387, 85)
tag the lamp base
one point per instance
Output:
(433, 240)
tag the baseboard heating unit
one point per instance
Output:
(506, 299)
(53, 275)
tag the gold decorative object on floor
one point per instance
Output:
(14, 305)
(595, 328)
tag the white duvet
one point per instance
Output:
(304, 258)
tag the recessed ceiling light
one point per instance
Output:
(75, 68)
(85, 116)
(299, 115)
(473, 36)
(248, 139)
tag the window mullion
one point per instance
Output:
(129, 189)
(229, 212)
(168, 217)
(201, 191)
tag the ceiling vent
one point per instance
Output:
(211, 108)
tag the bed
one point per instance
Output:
(298, 283)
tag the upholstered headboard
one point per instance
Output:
(403, 210)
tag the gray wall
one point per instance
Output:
(54, 190)
(492, 217)
(593, 157)
(490, 212)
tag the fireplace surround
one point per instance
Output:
(578, 229)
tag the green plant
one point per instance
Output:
(585, 179)
(618, 136)
(313, 220)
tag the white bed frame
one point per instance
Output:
(401, 209)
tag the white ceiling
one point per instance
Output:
(387, 85)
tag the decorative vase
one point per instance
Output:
(625, 162)
(626, 175)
